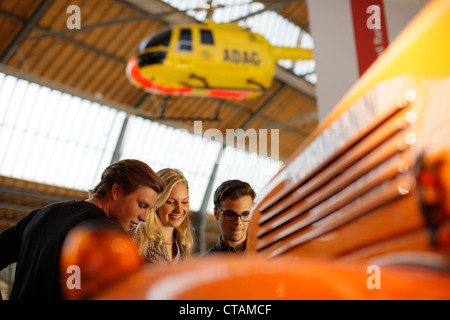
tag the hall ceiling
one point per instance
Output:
(36, 45)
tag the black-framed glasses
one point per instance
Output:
(231, 215)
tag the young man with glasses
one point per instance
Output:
(233, 200)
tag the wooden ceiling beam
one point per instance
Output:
(29, 25)
(272, 6)
(62, 37)
(99, 24)
(265, 104)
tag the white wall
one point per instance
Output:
(334, 44)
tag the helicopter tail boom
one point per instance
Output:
(292, 53)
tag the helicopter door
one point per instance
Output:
(206, 58)
(207, 48)
(182, 55)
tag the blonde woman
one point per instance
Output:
(166, 235)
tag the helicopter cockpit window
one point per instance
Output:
(206, 37)
(159, 38)
(185, 41)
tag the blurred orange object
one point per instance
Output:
(92, 259)
(227, 277)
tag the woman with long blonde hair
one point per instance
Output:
(166, 236)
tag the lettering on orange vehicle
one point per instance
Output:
(331, 139)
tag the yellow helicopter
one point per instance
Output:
(208, 60)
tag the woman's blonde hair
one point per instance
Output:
(151, 230)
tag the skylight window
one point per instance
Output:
(51, 137)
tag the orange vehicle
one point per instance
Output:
(362, 209)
